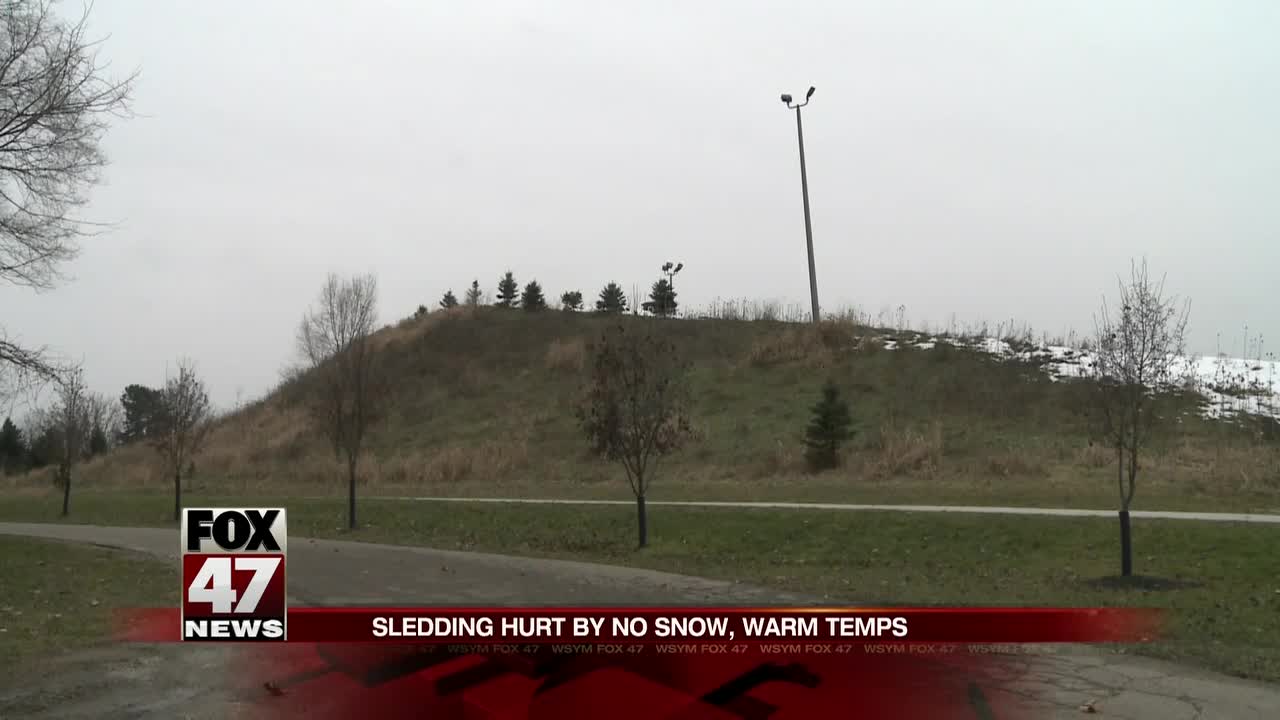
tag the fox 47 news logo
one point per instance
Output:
(233, 574)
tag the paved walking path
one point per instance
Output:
(177, 680)
(971, 509)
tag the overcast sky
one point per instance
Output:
(991, 160)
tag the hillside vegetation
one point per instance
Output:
(483, 404)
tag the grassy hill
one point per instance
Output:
(483, 405)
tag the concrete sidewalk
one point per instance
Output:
(155, 681)
(847, 507)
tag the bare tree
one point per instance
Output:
(55, 103)
(633, 412)
(105, 421)
(71, 425)
(1139, 348)
(334, 341)
(184, 418)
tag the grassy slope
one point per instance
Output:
(483, 406)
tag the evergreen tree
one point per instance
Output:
(612, 299)
(474, 294)
(508, 291)
(532, 298)
(12, 449)
(141, 411)
(571, 301)
(828, 430)
(43, 448)
(662, 299)
(448, 301)
(422, 310)
(97, 442)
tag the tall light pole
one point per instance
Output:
(804, 189)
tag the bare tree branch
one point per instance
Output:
(106, 416)
(56, 99)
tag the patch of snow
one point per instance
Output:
(1229, 386)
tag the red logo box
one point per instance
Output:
(233, 574)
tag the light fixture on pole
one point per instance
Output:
(804, 191)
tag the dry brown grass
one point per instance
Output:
(490, 462)
(783, 458)
(908, 450)
(1016, 463)
(411, 328)
(1245, 468)
(1094, 455)
(567, 355)
(231, 469)
(809, 345)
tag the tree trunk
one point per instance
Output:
(66, 492)
(1120, 475)
(351, 493)
(643, 521)
(1126, 545)
(177, 495)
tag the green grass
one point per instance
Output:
(1228, 621)
(56, 596)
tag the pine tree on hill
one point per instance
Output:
(828, 430)
(612, 299)
(508, 291)
(662, 299)
(532, 298)
(474, 294)
(571, 301)
(448, 301)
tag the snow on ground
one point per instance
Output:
(1230, 386)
